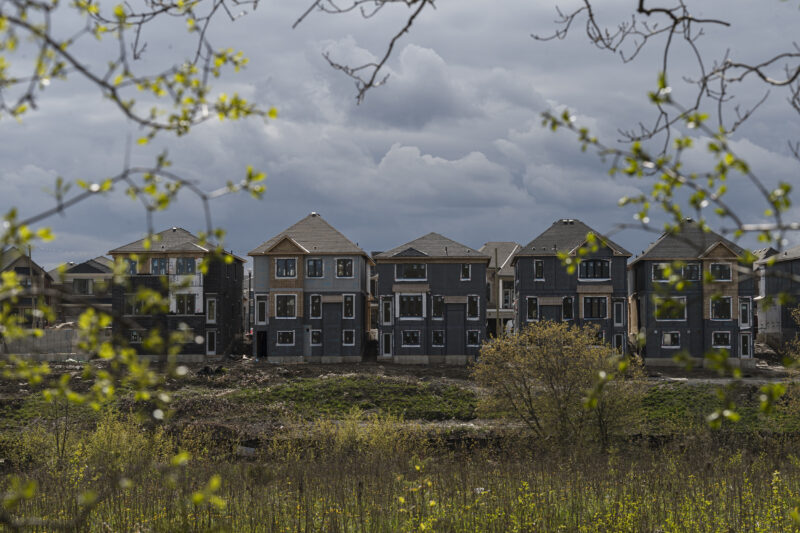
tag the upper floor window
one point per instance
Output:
(133, 306)
(721, 308)
(344, 268)
(744, 312)
(82, 286)
(158, 266)
(130, 267)
(314, 268)
(286, 268)
(660, 271)
(261, 309)
(466, 272)
(673, 308)
(533, 308)
(211, 310)
(594, 269)
(316, 306)
(473, 307)
(184, 304)
(411, 271)
(508, 294)
(411, 306)
(691, 272)
(538, 269)
(386, 309)
(437, 310)
(185, 265)
(595, 307)
(567, 312)
(348, 306)
(720, 271)
(285, 305)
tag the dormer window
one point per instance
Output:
(720, 271)
(411, 271)
(594, 269)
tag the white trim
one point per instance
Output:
(402, 340)
(749, 344)
(479, 337)
(534, 269)
(461, 272)
(422, 297)
(391, 344)
(312, 337)
(594, 280)
(411, 279)
(278, 337)
(384, 300)
(311, 306)
(528, 309)
(322, 262)
(728, 333)
(444, 338)
(262, 298)
(275, 300)
(353, 316)
(655, 309)
(668, 347)
(275, 266)
(653, 271)
(730, 271)
(711, 308)
(352, 267)
(216, 310)
(621, 313)
(354, 337)
(749, 323)
(478, 317)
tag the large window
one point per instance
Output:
(286, 338)
(185, 265)
(81, 286)
(314, 268)
(286, 268)
(532, 308)
(671, 339)
(344, 268)
(348, 306)
(316, 306)
(720, 271)
(660, 271)
(595, 307)
(473, 337)
(184, 304)
(673, 308)
(567, 311)
(411, 271)
(466, 272)
(721, 339)
(410, 337)
(594, 269)
(285, 305)
(411, 306)
(691, 272)
(438, 306)
(348, 337)
(261, 309)
(721, 308)
(437, 337)
(473, 307)
(538, 269)
(386, 310)
(158, 266)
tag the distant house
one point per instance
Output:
(432, 301)
(35, 281)
(778, 294)
(311, 290)
(713, 311)
(83, 285)
(500, 283)
(209, 305)
(595, 294)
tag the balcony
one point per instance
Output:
(186, 280)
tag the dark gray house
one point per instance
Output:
(713, 310)
(596, 293)
(208, 305)
(82, 285)
(311, 290)
(500, 283)
(432, 301)
(778, 294)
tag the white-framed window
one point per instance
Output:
(745, 345)
(538, 269)
(473, 337)
(185, 265)
(211, 310)
(531, 308)
(316, 337)
(437, 307)
(285, 267)
(285, 306)
(184, 304)
(386, 344)
(745, 312)
(473, 307)
(594, 269)
(721, 308)
(670, 309)
(315, 306)
(720, 271)
(344, 267)
(595, 307)
(691, 272)
(386, 310)
(437, 337)
(411, 272)
(619, 313)
(348, 337)
(286, 338)
(411, 337)
(261, 309)
(671, 339)
(466, 272)
(508, 294)
(721, 339)
(411, 306)
(567, 308)
(158, 266)
(314, 268)
(659, 272)
(348, 306)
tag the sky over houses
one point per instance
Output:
(452, 143)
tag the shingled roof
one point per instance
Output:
(98, 265)
(432, 246)
(315, 235)
(170, 240)
(690, 242)
(505, 252)
(564, 236)
(770, 255)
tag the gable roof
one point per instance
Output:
(10, 256)
(169, 240)
(98, 265)
(691, 241)
(505, 253)
(433, 246)
(770, 255)
(314, 234)
(565, 236)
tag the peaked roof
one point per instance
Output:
(11, 255)
(98, 265)
(433, 245)
(691, 241)
(505, 252)
(564, 236)
(169, 240)
(764, 256)
(315, 235)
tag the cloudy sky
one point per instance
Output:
(453, 143)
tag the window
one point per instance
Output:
(348, 337)
(211, 310)
(348, 306)
(744, 312)
(473, 307)
(721, 339)
(619, 342)
(600, 337)
(261, 309)
(286, 338)
(184, 304)
(82, 286)
(286, 268)
(158, 266)
(185, 265)
(438, 306)
(466, 272)
(315, 306)
(619, 312)
(691, 272)
(316, 337)
(594, 269)
(721, 308)
(130, 266)
(538, 269)
(673, 308)
(211, 342)
(437, 337)
(473, 337)
(660, 271)
(386, 310)
(671, 339)
(386, 344)
(411, 271)
(595, 307)
(410, 337)
(344, 268)
(567, 312)
(411, 306)
(508, 295)
(532, 308)
(313, 268)
(285, 305)
(720, 271)
(744, 349)
(136, 336)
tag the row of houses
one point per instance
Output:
(316, 296)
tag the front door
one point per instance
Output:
(456, 337)
(211, 342)
(261, 344)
